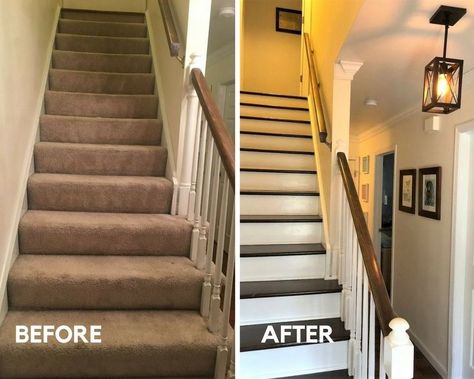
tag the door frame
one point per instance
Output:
(377, 208)
(304, 70)
(459, 248)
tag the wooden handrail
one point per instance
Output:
(315, 91)
(174, 43)
(385, 312)
(222, 138)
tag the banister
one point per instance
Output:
(315, 91)
(385, 312)
(222, 138)
(171, 32)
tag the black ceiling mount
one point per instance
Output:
(447, 15)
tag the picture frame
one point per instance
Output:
(365, 193)
(288, 20)
(365, 164)
(429, 192)
(407, 191)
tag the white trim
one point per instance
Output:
(440, 368)
(346, 70)
(27, 168)
(458, 253)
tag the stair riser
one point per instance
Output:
(272, 100)
(278, 181)
(104, 197)
(285, 114)
(112, 106)
(102, 28)
(283, 268)
(276, 143)
(126, 238)
(87, 160)
(277, 161)
(279, 205)
(291, 361)
(101, 63)
(280, 233)
(106, 45)
(264, 126)
(78, 81)
(100, 131)
(289, 308)
(76, 14)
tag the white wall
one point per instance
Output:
(107, 5)
(271, 62)
(421, 246)
(26, 30)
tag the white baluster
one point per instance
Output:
(365, 324)
(398, 351)
(185, 163)
(198, 197)
(223, 348)
(353, 304)
(358, 337)
(372, 338)
(207, 284)
(204, 226)
(381, 358)
(196, 156)
(213, 323)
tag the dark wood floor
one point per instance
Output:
(423, 368)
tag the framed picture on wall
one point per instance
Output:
(407, 191)
(288, 21)
(365, 162)
(365, 193)
(429, 192)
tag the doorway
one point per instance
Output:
(383, 213)
(462, 257)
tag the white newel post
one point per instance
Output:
(191, 127)
(398, 351)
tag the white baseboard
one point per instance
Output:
(440, 368)
(27, 169)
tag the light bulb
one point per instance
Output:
(443, 90)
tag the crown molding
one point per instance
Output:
(345, 70)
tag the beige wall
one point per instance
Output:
(422, 246)
(26, 30)
(107, 5)
(271, 61)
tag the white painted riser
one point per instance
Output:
(279, 205)
(256, 233)
(272, 100)
(277, 161)
(278, 181)
(291, 361)
(275, 127)
(289, 308)
(276, 143)
(285, 114)
(285, 267)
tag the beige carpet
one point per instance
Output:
(98, 245)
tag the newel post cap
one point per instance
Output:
(399, 335)
(398, 351)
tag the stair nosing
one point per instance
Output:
(279, 193)
(278, 171)
(103, 95)
(110, 119)
(250, 219)
(96, 53)
(131, 74)
(273, 95)
(275, 119)
(285, 135)
(283, 107)
(61, 19)
(244, 253)
(259, 295)
(101, 37)
(254, 150)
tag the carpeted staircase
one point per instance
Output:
(98, 245)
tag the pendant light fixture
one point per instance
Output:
(443, 76)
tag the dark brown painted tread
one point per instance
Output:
(279, 193)
(273, 95)
(251, 335)
(276, 134)
(276, 119)
(276, 151)
(109, 38)
(338, 374)
(275, 288)
(254, 251)
(66, 13)
(277, 171)
(275, 107)
(280, 218)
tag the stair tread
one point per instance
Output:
(277, 171)
(281, 249)
(280, 218)
(102, 95)
(285, 107)
(258, 150)
(109, 38)
(110, 282)
(251, 335)
(337, 374)
(94, 54)
(273, 288)
(279, 193)
(134, 344)
(100, 22)
(103, 73)
(273, 94)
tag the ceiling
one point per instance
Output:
(395, 41)
(222, 29)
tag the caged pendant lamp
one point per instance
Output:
(443, 76)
